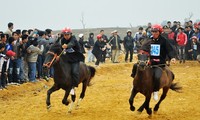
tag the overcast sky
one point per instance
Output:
(57, 14)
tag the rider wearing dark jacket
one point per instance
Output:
(157, 48)
(73, 55)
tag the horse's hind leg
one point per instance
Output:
(164, 94)
(49, 92)
(131, 99)
(82, 95)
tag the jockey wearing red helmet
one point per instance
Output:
(73, 55)
(157, 48)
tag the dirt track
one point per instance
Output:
(106, 99)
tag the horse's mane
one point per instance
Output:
(56, 48)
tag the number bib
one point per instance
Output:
(155, 50)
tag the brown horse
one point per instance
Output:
(143, 83)
(62, 75)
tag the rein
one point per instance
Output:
(54, 58)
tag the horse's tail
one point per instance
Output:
(176, 87)
(92, 73)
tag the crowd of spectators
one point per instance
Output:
(22, 52)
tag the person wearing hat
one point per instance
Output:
(157, 48)
(195, 48)
(73, 55)
(181, 40)
(115, 41)
(128, 45)
(82, 42)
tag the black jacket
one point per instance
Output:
(158, 49)
(97, 48)
(128, 42)
(73, 53)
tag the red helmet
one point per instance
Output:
(157, 27)
(99, 36)
(67, 30)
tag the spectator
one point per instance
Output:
(104, 42)
(2, 48)
(42, 43)
(189, 32)
(24, 65)
(115, 41)
(90, 46)
(148, 30)
(82, 43)
(98, 48)
(128, 45)
(182, 41)
(137, 37)
(10, 29)
(194, 48)
(32, 54)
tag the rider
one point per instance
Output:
(73, 55)
(157, 48)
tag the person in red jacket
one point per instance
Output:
(181, 41)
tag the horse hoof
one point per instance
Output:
(150, 116)
(132, 108)
(70, 112)
(155, 112)
(139, 113)
(77, 107)
(49, 107)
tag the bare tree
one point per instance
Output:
(189, 17)
(131, 25)
(83, 20)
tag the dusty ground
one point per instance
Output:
(106, 99)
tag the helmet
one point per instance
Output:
(99, 36)
(81, 35)
(67, 30)
(157, 27)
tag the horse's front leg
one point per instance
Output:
(65, 101)
(146, 104)
(49, 92)
(131, 99)
(147, 100)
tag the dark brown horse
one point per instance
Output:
(143, 83)
(62, 75)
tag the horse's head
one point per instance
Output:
(142, 61)
(51, 56)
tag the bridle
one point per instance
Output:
(48, 64)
